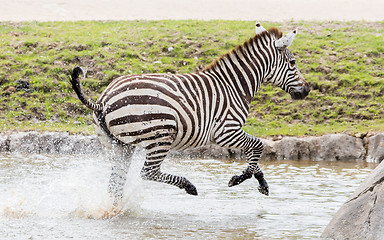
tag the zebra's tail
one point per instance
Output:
(97, 107)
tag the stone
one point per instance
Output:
(4, 143)
(209, 151)
(23, 142)
(269, 152)
(86, 145)
(327, 147)
(335, 147)
(53, 143)
(362, 216)
(375, 151)
(293, 148)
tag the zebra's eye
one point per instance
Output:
(292, 62)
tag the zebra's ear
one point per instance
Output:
(259, 28)
(286, 40)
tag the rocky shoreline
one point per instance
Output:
(331, 147)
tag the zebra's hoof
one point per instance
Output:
(191, 190)
(264, 190)
(263, 187)
(235, 180)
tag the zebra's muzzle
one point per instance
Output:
(300, 92)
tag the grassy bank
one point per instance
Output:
(342, 61)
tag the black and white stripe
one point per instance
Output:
(159, 112)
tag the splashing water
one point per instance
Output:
(60, 186)
(65, 196)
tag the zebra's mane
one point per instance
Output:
(272, 32)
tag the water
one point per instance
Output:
(65, 197)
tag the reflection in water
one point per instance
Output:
(61, 196)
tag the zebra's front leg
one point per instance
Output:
(151, 171)
(252, 147)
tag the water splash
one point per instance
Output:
(70, 189)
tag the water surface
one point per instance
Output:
(65, 197)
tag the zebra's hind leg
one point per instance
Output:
(151, 170)
(120, 157)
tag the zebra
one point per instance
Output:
(163, 112)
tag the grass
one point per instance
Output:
(342, 61)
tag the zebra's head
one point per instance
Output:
(284, 72)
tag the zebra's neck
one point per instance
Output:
(246, 66)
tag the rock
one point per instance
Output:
(375, 152)
(53, 143)
(293, 148)
(362, 216)
(209, 151)
(269, 152)
(334, 147)
(24, 142)
(4, 143)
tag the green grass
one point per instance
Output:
(342, 61)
